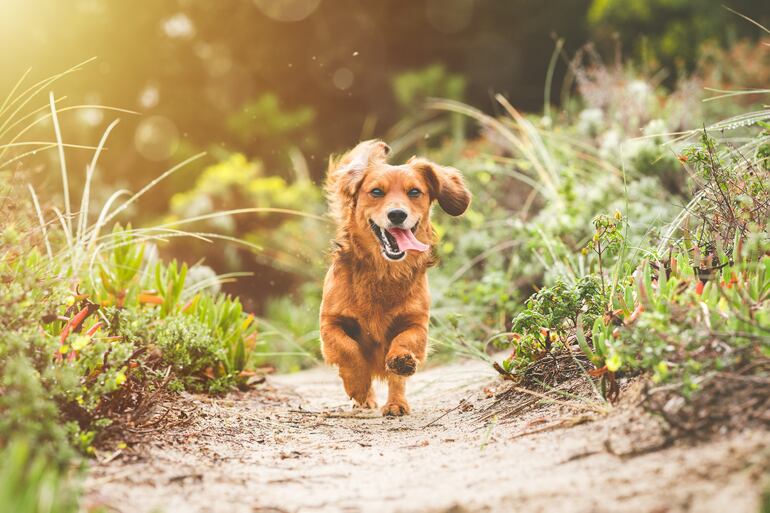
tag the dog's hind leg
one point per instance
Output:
(357, 381)
(355, 370)
(371, 400)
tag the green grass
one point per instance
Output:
(602, 232)
(92, 321)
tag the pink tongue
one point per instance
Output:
(406, 240)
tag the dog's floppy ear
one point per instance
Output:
(345, 175)
(351, 168)
(446, 185)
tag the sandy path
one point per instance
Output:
(294, 446)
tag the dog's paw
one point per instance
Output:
(395, 409)
(370, 403)
(403, 365)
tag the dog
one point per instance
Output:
(375, 307)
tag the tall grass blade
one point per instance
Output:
(43, 117)
(152, 184)
(13, 90)
(102, 219)
(549, 76)
(84, 203)
(34, 89)
(62, 164)
(754, 22)
(41, 220)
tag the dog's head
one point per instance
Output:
(386, 207)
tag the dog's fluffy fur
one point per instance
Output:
(375, 308)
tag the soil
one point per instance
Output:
(294, 444)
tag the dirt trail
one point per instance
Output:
(295, 446)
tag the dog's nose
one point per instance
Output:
(397, 216)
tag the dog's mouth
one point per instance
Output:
(395, 242)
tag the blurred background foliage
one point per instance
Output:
(270, 88)
(573, 123)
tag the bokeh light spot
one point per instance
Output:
(343, 79)
(287, 10)
(156, 138)
(149, 97)
(91, 116)
(179, 26)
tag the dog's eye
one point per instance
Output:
(377, 193)
(414, 193)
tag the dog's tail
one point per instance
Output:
(346, 172)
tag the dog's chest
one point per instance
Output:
(382, 312)
(375, 319)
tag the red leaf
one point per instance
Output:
(595, 373)
(73, 324)
(94, 329)
(150, 298)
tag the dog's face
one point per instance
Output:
(394, 200)
(390, 212)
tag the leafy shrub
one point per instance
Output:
(28, 381)
(88, 329)
(550, 316)
(263, 119)
(667, 37)
(541, 186)
(703, 308)
(69, 366)
(284, 221)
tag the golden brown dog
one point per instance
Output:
(374, 313)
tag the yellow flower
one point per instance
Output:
(722, 305)
(613, 362)
(80, 342)
(120, 378)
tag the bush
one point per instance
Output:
(699, 304)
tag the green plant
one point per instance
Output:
(265, 119)
(169, 283)
(607, 239)
(666, 36)
(235, 331)
(549, 318)
(30, 484)
(119, 269)
(93, 323)
(286, 226)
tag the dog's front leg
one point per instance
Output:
(344, 352)
(397, 404)
(406, 352)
